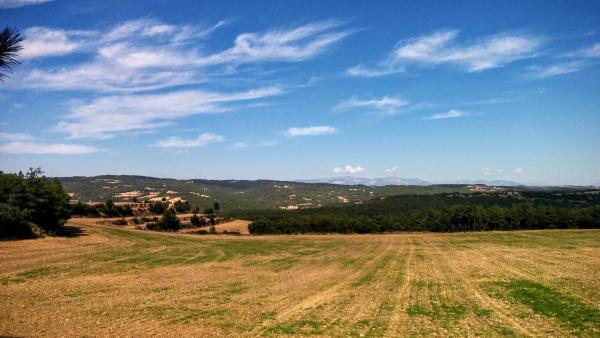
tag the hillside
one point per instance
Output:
(236, 194)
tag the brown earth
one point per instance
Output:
(119, 282)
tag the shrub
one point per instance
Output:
(197, 221)
(169, 221)
(120, 222)
(158, 208)
(182, 206)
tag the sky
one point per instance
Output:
(437, 90)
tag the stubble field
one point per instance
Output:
(117, 282)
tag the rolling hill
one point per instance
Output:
(236, 194)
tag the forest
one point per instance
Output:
(439, 213)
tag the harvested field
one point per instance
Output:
(120, 282)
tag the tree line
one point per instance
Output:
(438, 213)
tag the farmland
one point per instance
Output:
(108, 281)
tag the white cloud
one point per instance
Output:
(348, 169)
(105, 116)
(295, 44)
(392, 170)
(451, 114)
(362, 71)
(310, 131)
(20, 3)
(518, 171)
(15, 137)
(43, 42)
(556, 69)
(35, 148)
(487, 171)
(240, 145)
(147, 54)
(178, 142)
(441, 48)
(590, 52)
(387, 105)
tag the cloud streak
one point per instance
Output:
(37, 148)
(386, 105)
(147, 54)
(451, 114)
(442, 47)
(310, 131)
(20, 3)
(180, 143)
(106, 116)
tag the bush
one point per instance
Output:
(182, 206)
(169, 221)
(120, 222)
(158, 208)
(197, 221)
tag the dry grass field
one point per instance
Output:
(119, 282)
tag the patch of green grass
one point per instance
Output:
(541, 299)
(27, 275)
(376, 326)
(482, 312)
(437, 311)
(281, 264)
(369, 277)
(303, 327)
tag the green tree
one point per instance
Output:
(195, 220)
(169, 221)
(37, 200)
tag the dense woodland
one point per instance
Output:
(439, 213)
(31, 204)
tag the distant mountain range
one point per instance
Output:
(383, 181)
(372, 182)
(490, 182)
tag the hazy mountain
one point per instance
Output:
(490, 182)
(373, 182)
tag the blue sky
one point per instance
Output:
(442, 91)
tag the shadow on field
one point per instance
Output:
(71, 231)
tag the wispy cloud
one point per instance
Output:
(44, 42)
(181, 143)
(588, 52)
(309, 131)
(451, 114)
(442, 48)
(348, 169)
(386, 105)
(542, 72)
(37, 148)
(519, 171)
(392, 170)
(294, 44)
(20, 3)
(147, 54)
(15, 137)
(105, 116)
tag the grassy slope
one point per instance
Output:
(113, 281)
